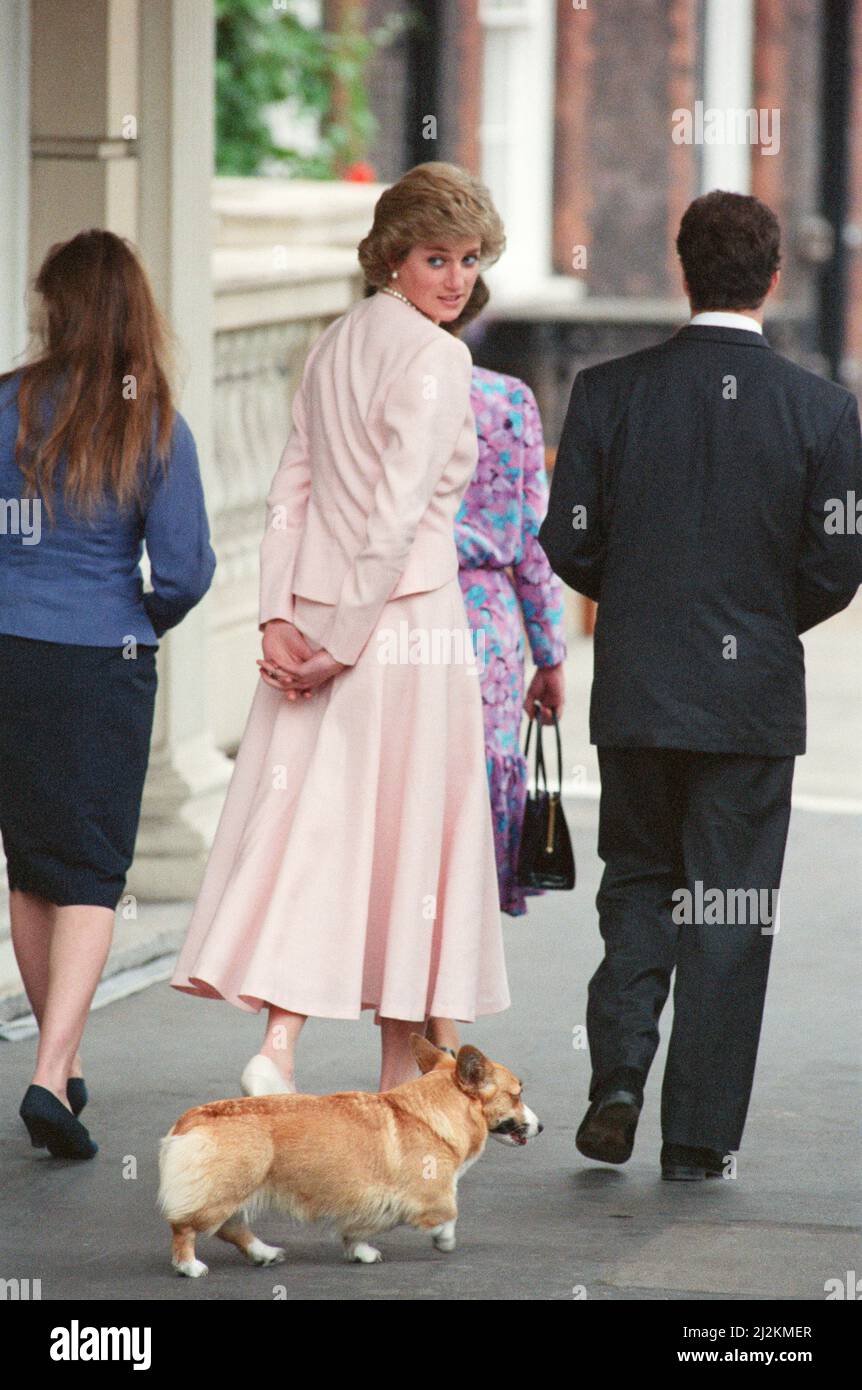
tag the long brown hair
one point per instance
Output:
(106, 357)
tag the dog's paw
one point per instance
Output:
(262, 1254)
(192, 1269)
(360, 1252)
(443, 1237)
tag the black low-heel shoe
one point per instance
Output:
(76, 1093)
(51, 1126)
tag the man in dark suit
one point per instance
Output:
(704, 493)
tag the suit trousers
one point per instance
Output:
(693, 845)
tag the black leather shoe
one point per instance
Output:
(713, 1163)
(51, 1126)
(607, 1131)
(76, 1094)
(681, 1163)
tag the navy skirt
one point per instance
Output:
(75, 729)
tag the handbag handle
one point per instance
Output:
(540, 756)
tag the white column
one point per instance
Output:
(14, 178)
(188, 775)
(727, 85)
(517, 134)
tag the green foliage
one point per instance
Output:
(265, 54)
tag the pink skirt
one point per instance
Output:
(353, 866)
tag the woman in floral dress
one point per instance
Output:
(505, 575)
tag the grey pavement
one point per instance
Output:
(539, 1223)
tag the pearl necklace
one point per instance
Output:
(396, 294)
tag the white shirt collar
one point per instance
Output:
(715, 318)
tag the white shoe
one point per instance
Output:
(263, 1078)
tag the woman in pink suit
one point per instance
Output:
(353, 866)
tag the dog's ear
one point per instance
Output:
(473, 1071)
(427, 1054)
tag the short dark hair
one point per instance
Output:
(729, 245)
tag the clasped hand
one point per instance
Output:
(290, 665)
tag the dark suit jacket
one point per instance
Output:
(704, 467)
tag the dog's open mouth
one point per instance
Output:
(510, 1129)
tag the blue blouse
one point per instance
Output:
(80, 582)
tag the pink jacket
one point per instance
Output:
(362, 507)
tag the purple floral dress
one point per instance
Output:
(505, 575)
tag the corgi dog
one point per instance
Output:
(362, 1161)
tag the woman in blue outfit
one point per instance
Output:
(94, 461)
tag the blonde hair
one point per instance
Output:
(435, 203)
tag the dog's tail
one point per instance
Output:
(185, 1173)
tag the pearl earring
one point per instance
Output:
(394, 275)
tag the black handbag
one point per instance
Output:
(545, 857)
